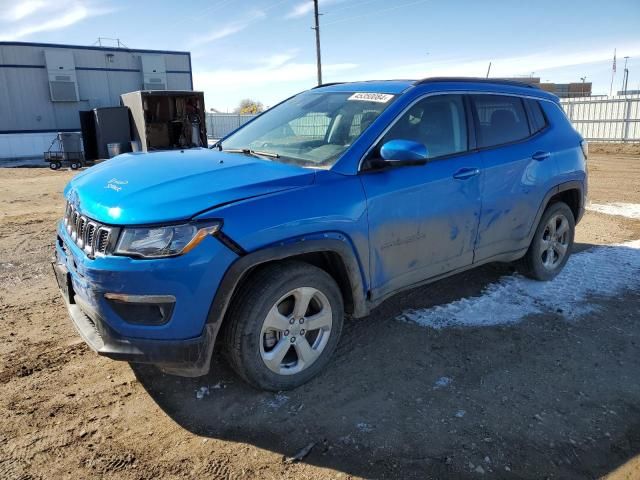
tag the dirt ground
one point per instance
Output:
(544, 398)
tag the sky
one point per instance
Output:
(265, 49)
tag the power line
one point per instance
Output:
(352, 5)
(376, 12)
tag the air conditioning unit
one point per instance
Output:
(61, 71)
(154, 72)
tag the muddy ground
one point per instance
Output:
(545, 398)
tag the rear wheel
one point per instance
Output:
(551, 245)
(284, 325)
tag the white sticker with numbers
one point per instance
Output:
(371, 97)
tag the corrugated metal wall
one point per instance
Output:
(103, 74)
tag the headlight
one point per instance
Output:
(157, 242)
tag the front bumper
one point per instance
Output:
(192, 279)
(184, 357)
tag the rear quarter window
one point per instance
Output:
(536, 116)
(501, 119)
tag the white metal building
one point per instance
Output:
(44, 86)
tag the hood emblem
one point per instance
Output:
(115, 184)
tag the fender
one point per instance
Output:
(338, 244)
(563, 187)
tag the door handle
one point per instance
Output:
(465, 173)
(541, 156)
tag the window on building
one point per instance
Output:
(438, 122)
(501, 119)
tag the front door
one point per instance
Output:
(423, 219)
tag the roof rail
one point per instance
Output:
(327, 84)
(497, 81)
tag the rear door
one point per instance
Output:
(423, 219)
(517, 163)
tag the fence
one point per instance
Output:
(607, 119)
(220, 124)
(598, 119)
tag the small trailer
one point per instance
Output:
(65, 149)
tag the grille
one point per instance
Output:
(93, 238)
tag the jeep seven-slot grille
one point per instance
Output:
(92, 237)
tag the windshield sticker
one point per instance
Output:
(371, 97)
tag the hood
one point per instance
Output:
(159, 187)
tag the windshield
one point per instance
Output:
(312, 129)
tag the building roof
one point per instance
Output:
(91, 47)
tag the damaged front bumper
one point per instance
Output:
(94, 294)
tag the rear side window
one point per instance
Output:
(536, 116)
(438, 122)
(501, 119)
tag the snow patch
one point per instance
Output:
(620, 209)
(600, 271)
(201, 392)
(442, 382)
(278, 401)
(364, 427)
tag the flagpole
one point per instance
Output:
(613, 72)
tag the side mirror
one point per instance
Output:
(404, 152)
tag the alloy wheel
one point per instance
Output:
(296, 331)
(555, 241)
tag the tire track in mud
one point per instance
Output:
(47, 358)
(12, 469)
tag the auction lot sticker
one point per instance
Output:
(371, 97)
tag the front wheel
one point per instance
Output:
(551, 245)
(284, 325)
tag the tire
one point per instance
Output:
(54, 165)
(74, 166)
(549, 252)
(264, 330)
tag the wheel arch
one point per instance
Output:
(571, 193)
(332, 255)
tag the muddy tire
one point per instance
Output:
(551, 245)
(284, 325)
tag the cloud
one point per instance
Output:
(277, 69)
(227, 29)
(23, 9)
(29, 17)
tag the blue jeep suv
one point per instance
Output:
(323, 206)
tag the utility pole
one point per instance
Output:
(625, 76)
(583, 80)
(317, 29)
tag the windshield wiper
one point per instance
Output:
(255, 153)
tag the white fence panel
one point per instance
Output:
(605, 119)
(221, 124)
(598, 119)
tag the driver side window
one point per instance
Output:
(437, 122)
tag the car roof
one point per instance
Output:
(440, 83)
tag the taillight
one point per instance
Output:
(585, 148)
